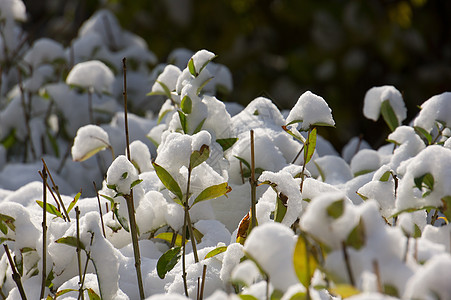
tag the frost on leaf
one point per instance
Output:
(311, 110)
(89, 140)
(92, 74)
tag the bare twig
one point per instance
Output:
(253, 186)
(44, 231)
(204, 272)
(347, 263)
(100, 209)
(129, 198)
(26, 114)
(378, 276)
(15, 275)
(56, 189)
(80, 274)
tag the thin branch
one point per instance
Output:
(56, 189)
(100, 209)
(204, 272)
(80, 274)
(253, 185)
(347, 263)
(44, 231)
(15, 275)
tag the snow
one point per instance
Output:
(201, 58)
(168, 77)
(92, 74)
(140, 156)
(366, 160)
(374, 98)
(43, 51)
(13, 9)
(435, 109)
(310, 110)
(353, 146)
(89, 139)
(121, 174)
(269, 244)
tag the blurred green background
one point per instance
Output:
(281, 48)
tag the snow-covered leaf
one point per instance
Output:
(70, 241)
(226, 143)
(89, 140)
(216, 251)
(336, 209)
(186, 105)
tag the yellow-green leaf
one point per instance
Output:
(216, 251)
(93, 295)
(226, 143)
(183, 121)
(304, 261)
(50, 208)
(344, 290)
(168, 237)
(310, 145)
(213, 192)
(168, 181)
(191, 67)
(73, 202)
(356, 237)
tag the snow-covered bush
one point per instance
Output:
(204, 196)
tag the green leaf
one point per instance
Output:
(161, 116)
(3, 228)
(50, 208)
(168, 181)
(70, 241)
(168, 261)
(206, 63)
(9, 222)
(91, 153)
(226, 143)
(124, 175)
(92, 295)
(336, 209)
(213, 192)
(422, 132)
(135, 183)
(168, 236)
(281, 207)
(389, 115)
(385, 176)
(310, 146)
(356, 237)
(391, 290)
(121, 219)
(9, 140)
(417, 232)
(166, 92)
(304, 261)
(276, 295)
(244, 162)
(199, 127)
(362, 172)
(73, 202)
(427, 179)
(107, 197)
(199, 89)
(216, 251)
(199, 156)
(183, 121)
(112, 187)
(299, 138)
(186, 105)
(191, 68)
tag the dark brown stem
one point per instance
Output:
(129, 198)
(55, 188)
(15, 275)
(26, 114)
(204, 272)
(80, 274)
(347, 263)
(100, 209)
(185, 285)
(253, 186)
(44, 231)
